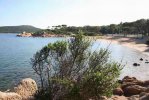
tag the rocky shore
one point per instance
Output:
(24, 91)
(24, 34)
(130, 88)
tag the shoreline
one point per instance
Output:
(42, 35)
(133, 43)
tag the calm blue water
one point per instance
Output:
(15, 54)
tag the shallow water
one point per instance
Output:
(15, 54)
(127, 56)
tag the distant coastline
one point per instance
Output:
(27, 34)
(18, 29)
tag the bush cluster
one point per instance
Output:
(70, 70)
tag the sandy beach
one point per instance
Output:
(134, 43)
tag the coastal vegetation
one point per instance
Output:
(70, 70)
(139, 27)
(74, 50)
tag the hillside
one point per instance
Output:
(18, 29)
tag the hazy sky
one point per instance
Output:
(43, 13)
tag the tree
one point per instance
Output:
(104, 29)
(71, 71)
(112, 28)
(140, 26)
(126, 30)
(147, 27)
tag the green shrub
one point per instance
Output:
(69, 70)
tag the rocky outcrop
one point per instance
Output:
(133, 97)
(24, 34)
(24, 91)
(132, 89)
(118, 98)
(118, 91)
(10, 96)
(145, 97)
(26, 88)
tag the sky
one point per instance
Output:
(44, 13)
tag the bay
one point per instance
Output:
(15, 54)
